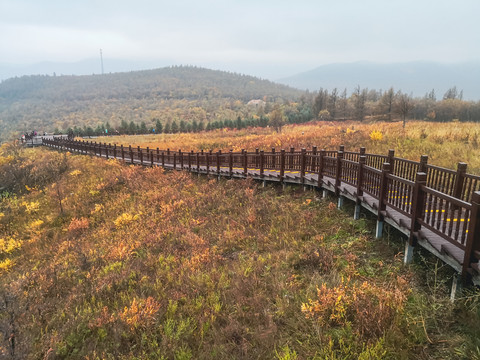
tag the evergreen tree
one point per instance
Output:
(168, 128)
(174, 127)
(194, 126)
(158, 127)
(183, 126)
(239, 123)
(143, 128)
(132, 129)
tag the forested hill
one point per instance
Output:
(47, 102)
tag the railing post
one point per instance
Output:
(163, 159)
(219, 152)
(273, 158)
(361, 164)
(422, 167)
(158, 155)
(245, 162)
(313, 159)
(257, 158)
(123, 152)
(230, 162)
(391, 160)
(114, 151)
(383, 195)
(131, 154)
(140, 151)
(198, 162)
(282, 165)
(418, 206)
(320, 168)
(472, 246)
(207, 162)
(175, 161)
(338, 173)
(459, 180)
(106, 150)
(362, 151)
(262, 164)
(292, 158)
(302, 165)
(151, 159)
(180, 156)
(190, 160)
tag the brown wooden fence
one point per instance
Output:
(434, 206)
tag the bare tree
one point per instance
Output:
(332, 103)
(359, 99)
(386, 103)
(403, 105)
(343, 103)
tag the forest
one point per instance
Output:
(190, 99)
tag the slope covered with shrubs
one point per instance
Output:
(101, 260)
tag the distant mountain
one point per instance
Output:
(411, 77)
(180, 92)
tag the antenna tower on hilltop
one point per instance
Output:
(101, 59)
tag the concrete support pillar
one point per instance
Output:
(264, 183)
(379, 229)
(340, 202)
(408, 253)
(456, 287)
(324, 193)
(356, 214)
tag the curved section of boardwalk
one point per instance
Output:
(434, 207)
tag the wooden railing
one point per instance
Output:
(443, 202)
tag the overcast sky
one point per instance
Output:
(261, 37)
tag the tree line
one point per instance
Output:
(360, 105)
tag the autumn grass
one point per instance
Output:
(109, 261)
(446, 144)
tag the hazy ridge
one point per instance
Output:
(417, 78)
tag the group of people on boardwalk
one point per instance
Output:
(29, 136)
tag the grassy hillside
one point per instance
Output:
(48, 102)
(100, 260)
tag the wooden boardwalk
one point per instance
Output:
(436, 208)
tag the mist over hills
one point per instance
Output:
(417, 78)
